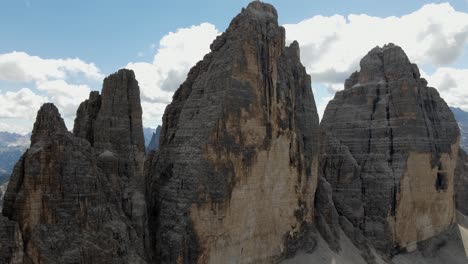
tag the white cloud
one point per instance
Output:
(48, 81)
(177, 52)
(331, 47)
(67, 97)
(21, 104)
(22, 67)
(452, 85)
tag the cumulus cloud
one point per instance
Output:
(47, 81)
(177, 52)
(452, 85)
(65, 96)
(22, 67)
(331, 46)
(21, 104)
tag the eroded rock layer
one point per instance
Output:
(390, 152)
(79, 198)
(235, 173)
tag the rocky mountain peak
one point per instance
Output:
(83, 190)
(398, 142)
(258, 23)
(259, 9)
(251, 104)
(119, 121)
(49, 124)
(112, 120)
(384, 64)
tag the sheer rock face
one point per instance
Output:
(74, 202)
(461, 183)
(235, 174)
(112, 123)
(391, 152)
(86, 117)
(118, 125)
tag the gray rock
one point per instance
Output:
(11, 243)
(327, 218)
(390, 154)
(86, 117)
(461, 183)
(80, 198)
(234, 177)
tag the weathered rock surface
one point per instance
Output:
(461, 183)
(80, 198)
(112, 123)
(154, 143)
(391, 153)
(3, 187)
(86, 117)
(11, 242)
(236, 171)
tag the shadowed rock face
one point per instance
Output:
(235, 173)
(112, 123)
(391, 152)
(79, 199)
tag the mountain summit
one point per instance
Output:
(236, 168)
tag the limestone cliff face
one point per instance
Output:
(236, 170)
(390, 152)
(74, 197)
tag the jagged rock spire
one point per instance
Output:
(48, 124)
(242, 128)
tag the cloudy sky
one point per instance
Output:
(59, 51)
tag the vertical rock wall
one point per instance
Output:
(235, 174)
(391, 152)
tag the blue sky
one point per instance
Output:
(109, 35)
(112, 33)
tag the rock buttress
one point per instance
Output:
(394, 178)
(236, 170)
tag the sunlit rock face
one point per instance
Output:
(391, 153)
(234, 177)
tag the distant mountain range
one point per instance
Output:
(462, 119)
(11, 147)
